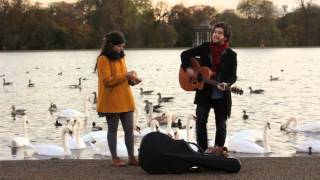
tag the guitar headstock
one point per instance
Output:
(236, 90)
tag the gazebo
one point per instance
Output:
(202, 33)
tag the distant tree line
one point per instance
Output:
(81, 25)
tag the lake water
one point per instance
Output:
(295, 94)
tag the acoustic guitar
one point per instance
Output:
(203, 75)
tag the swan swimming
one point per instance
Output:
(67, 114)
(22, 141)
(308, 127)
(76, 142)
(244, 146)
(52, 149)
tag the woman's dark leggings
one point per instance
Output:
(202, 112)
(127, 124)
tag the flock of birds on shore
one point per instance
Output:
(244, 141)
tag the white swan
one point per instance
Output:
(244, 146)
(54, 150)
(308, 127)
(68, 114)
(309, 147)
(187, 133)
(101, 147)
(248, 135)
(22, 141)
(154, 125)
(76, 142)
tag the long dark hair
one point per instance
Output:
(109, 40)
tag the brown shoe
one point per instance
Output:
(117, 162)
(133, 161)
(219, 151)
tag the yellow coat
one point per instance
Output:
(114, 92)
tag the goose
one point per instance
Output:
(308, 127)
(164, 99)
(142, 92)
(308, 147)
(2, 75)
(22, 141)
(95, 127)
(244, 146)
(164, 117)
(60, 74)
(53, 150)
(66, 114)
(245, 116)
(76, 86)
(53, 107)
(256, 91)
(15, 111)
(76, 142)
(274, 78)
(155, 107)
(30, 84)
(6, 83)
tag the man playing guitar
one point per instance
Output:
(222, 60)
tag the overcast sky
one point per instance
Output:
(218, 4)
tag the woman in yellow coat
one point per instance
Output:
(115, 99)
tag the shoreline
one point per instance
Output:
(299, 167)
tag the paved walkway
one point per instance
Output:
(252, 168)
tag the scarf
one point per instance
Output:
(216, 50)
(112, 55)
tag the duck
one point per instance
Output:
(245, 146)
(245, 116)
(142, 92)
(274, 78)
(76, 86)
(30, 84)
(53, 107)
(6, 83)
(22, 141)
(312, 127)
(256, 91)
(15, 111)
(95, 127)
(53, 150)
(164, 99)
(60, 74)
(312, 146)
(57, 123)
(94, 97)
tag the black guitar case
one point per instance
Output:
(160, 154)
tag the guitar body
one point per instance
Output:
(192, 83)
(160, 154)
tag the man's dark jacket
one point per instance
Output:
(227, 74)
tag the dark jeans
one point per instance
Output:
(127, 124)
(220, 110)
